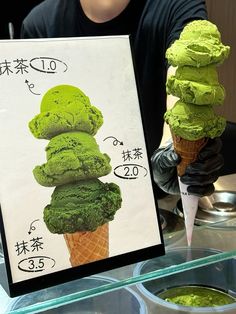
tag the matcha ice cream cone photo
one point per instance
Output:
(81, 205)
(76, 162)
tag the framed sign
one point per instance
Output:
(76, 189)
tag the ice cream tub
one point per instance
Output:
(124, 300)
(162, 294)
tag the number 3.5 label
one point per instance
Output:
(36, 264)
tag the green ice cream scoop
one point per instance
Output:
(82, 206)
(198, 86)
(61, 96)
(75, 117)
(193, 122)
(199, 45)
(201, 30)
(197, 296)
(65, 108)
(71, 157)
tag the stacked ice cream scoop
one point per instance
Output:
(192, 120)
(81, 205)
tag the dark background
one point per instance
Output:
(14, 12)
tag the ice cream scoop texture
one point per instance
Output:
(65, 108)
(198, 86)
(193, 122)
(72, 157)
(196, 82)
(199, 45)
(83, 205)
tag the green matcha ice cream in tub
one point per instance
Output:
(196, 296)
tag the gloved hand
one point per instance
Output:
(164, 161)
(200, 175)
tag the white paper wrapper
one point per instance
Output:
(190, 206)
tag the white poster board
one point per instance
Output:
(102, 69)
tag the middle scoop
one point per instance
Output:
(198, 86)
(71, 157)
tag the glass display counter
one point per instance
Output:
(118, 290)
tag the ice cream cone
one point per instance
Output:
(188, 151)
(86, 247)
(192, 119)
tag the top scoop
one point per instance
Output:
(62, 96)
(65, 108)
(199, 45)
(200, 30)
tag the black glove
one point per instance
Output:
(164, 161)
(200, 175)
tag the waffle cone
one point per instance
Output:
(86, 247)
(188, 151)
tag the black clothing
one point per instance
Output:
(60, 18)
(153, 26)
(14, 12)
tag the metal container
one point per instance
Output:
(218, 209)
(219, 275)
